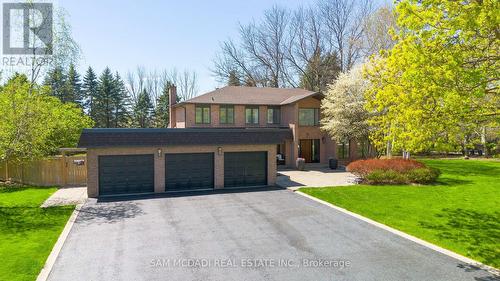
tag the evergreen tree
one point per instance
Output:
(90, 92)
(73, 86)
(321, 71)
(56, 80)
(121, 103)
(162, 109)
(103, 101)
(233, 79)
(143, 110)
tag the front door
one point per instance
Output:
(309, 150)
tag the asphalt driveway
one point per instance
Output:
(260, 235)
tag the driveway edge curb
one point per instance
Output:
(51, 259)
(419, 241)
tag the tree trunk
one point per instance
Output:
(483, 141)
(389, 149)
(6, 171)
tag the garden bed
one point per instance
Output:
(393, 171)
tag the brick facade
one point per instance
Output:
(185, 118)
(159, 162)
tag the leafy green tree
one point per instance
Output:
(73, 86)
(143, 110)
(90, 92)
(33, 123)
(441, 77)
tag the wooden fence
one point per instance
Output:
(53, 171)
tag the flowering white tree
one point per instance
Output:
(344, 116)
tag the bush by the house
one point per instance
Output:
(393, 171)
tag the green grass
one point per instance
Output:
(461, 212)
(27, 232)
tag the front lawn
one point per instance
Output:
(27, 232)
(461, 212)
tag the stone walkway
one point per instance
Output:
(314, 177)
(67, 196)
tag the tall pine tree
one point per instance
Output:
(143, 110)
(121, 103)
(56, 80)
(90, 92)
(73, 86)
(320, 71)
(104, 100)
(162, 109)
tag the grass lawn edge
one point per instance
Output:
(405, 235)
(56, 249)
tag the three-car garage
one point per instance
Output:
(135, 161)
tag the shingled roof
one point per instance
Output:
(92, 138)
(252, 95)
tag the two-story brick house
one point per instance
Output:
(253, 107)
(227, 138)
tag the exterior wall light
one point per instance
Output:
(159, 152)
(219, 150)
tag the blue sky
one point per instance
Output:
(160, 34)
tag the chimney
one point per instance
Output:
(172, 95)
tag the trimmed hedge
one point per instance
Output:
(393, 171)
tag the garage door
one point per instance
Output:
(126, 174)
(189, 171)
(245, 169)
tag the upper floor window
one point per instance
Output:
(226, 114)
(252, 115)
(202, 114)
(273, 115)
(308, 116)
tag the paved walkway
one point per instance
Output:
(314, 177)
(67, 196)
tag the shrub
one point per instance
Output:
(393, 171)
(423, 175)
(364, 167)
(384, 176)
